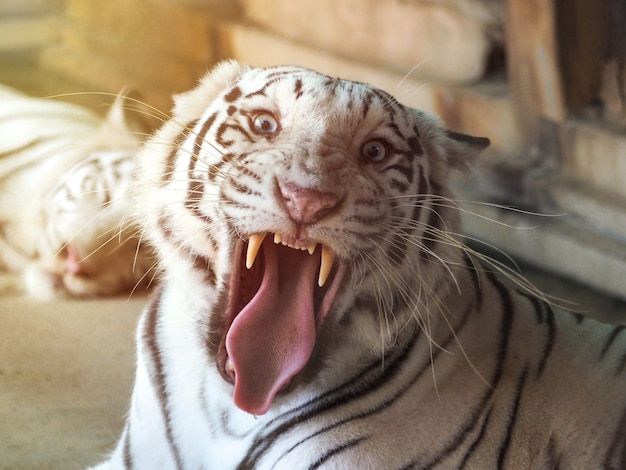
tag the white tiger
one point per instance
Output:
(64, 178)
(318, 308)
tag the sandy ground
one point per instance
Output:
(66, 373)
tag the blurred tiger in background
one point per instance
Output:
(64, 181)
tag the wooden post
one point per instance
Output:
(555, 51)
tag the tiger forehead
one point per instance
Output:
(312, 88)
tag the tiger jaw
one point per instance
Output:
(279, 295)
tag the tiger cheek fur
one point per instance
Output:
(318, 308)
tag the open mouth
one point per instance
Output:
(280, 293)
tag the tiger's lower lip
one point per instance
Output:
(327, 258)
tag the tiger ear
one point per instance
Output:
(462, 149)
(190, 105)
(126, 115)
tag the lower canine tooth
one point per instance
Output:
(328, 257)
(254, 243)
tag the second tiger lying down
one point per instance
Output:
(318, 308)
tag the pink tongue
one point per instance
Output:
(272, 338)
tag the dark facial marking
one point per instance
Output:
(233, 95)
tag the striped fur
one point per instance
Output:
(64, 177)
(424, 358)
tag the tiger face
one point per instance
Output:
(297, 201)
(87, 246)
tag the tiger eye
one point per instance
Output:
(265, 123)
(374, 150)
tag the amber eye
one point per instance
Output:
(374, 150)
(264, 123)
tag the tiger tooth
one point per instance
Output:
(230, 367)
(328, 257)
(254, 243)
(277, 239)
(311, 248)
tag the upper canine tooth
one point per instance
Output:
(328, 257)
(311, 248)
(254, 243)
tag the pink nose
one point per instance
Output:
(307, 206)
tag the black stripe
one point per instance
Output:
(204, 265)
(549, 346)
(622, 364)
(397, 132)
(226, 126)
(506, 444)
(616, 331)
(537, 305)
(195, 191)
(168, 174)
(366, 104)
(128, 458)
(469, 264)
(422, 186)
(337, 450)
(272, 78)
(553, 454)
(481, 434)
(389, 102)
(507, 310)
(396, 251)
(298, 88)
(543, 313)
(151, 343)
(433, 229)
(237, 185)
(406, 170)
(414, 144)
(200, 137)
(233, 95)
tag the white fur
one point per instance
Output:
(64, 177)
(457, 369)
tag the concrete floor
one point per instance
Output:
(66, 373)
(66, 368)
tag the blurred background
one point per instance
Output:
(544, 80)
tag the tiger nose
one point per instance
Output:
(307, 205)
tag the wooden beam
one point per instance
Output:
(555, 50)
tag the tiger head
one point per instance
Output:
(296, 202)
(88, 246)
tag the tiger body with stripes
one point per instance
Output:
(65, 173)
(318, 309)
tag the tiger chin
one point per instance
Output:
(317, 307)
